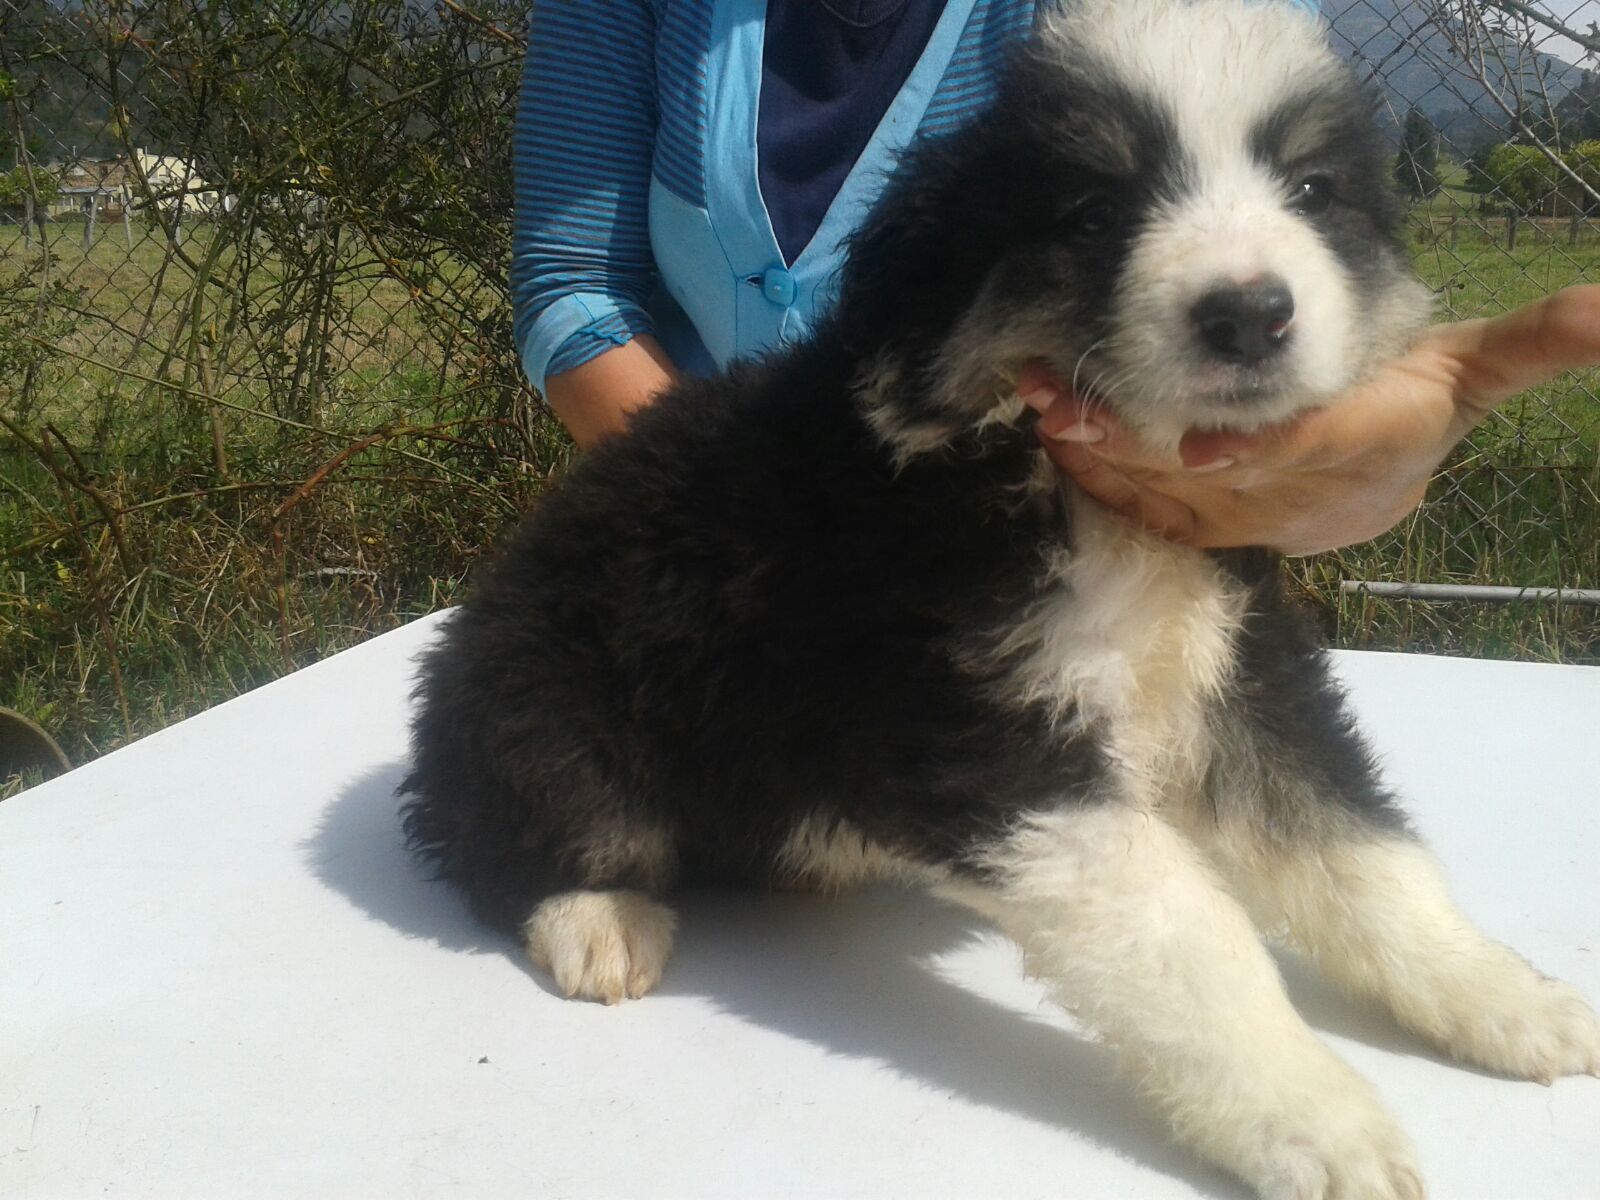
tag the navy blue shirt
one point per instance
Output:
(829, 71)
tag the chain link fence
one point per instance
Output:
(1496, 123)
(258, 395)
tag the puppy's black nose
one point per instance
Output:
(1245, 323)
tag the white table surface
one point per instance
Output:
(221, 976)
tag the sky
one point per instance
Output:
(1575, 14)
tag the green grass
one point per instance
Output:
(207, 591)
(130, 310)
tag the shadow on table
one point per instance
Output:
(359, 852)
(857, 976)
(862, 976)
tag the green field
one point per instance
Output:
(141, 312)
(144, 576)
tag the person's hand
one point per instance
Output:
(1334, 476)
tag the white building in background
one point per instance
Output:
(173, 182)
(106, 186)
(89, 186)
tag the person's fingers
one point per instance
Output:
(1501, 356)
(1070, 418)
(1218, 449)
(1120, 492)
(1067, 417)
(1073, 420)
(1038, 386)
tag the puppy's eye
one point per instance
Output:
(1094, 216)
(1313, 196)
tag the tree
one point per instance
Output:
(1416, 168)
(1523, 176)
(31, 189)
(20, 183)
(1584, 159)
(1579, 110)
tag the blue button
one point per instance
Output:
(778, 286)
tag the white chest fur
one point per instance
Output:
(1132, 636)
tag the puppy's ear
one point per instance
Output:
(921, 255)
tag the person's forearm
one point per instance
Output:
(596, 398)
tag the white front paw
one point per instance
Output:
(1374, 1163)
(1511, 1019)
(1329, 1138)
(606, 946)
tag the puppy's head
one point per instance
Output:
(1183, 206)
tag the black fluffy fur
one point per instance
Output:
(741, 613)
(698, 630)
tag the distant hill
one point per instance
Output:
(1413, 65)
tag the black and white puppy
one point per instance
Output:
(828, 617)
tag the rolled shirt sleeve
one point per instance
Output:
(581, 266)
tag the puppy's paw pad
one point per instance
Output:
(605, 946)
(1525, 1025)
